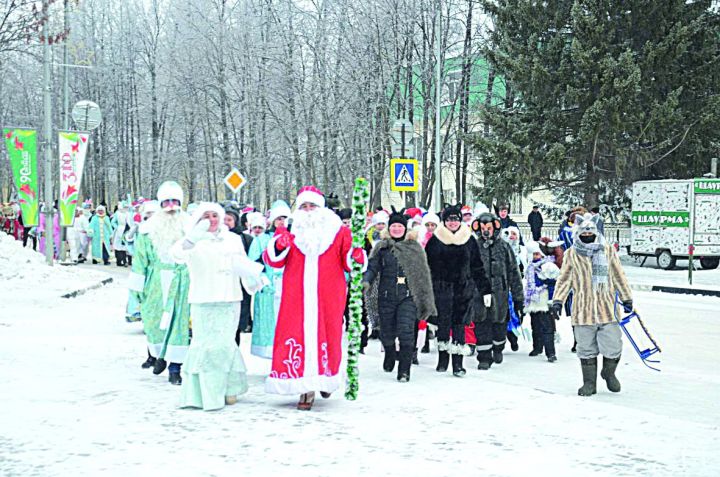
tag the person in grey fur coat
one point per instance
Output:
(499, 264)
(405, 295)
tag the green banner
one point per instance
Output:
(661, 219)
(22, 149)
(707, 186)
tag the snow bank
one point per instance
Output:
(24, 274)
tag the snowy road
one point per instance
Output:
(74, 401)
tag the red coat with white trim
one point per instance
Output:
(308, 338)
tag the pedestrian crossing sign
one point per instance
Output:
(403, 175)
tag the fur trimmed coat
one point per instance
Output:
(455, 266)
(500, 268)
(390, 259)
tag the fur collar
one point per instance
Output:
(458, 238)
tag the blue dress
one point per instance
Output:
(267, 301)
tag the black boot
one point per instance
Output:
(149, 362)
(414, 357)
(457, 363)
(390, 357)
(608, 374)
(160, 365)
(589, 372)
(497, 354)
(443, 361)
(175, 379)
(404, 365)
(426, 346)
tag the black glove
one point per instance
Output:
(556, 309)
(627, 306)
(520, 312)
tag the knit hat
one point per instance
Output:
(451, 212)
(310, 194)
(234, 213)
(397, 218)
(430, 218)
(381, 217)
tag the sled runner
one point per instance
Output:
(642, 334)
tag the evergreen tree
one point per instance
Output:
(602, 90)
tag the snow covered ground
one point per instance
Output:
(651, 274)
(74, 401)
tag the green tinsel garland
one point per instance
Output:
(361, 196)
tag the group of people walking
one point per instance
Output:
(459, 278)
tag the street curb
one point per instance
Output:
(676, 290)
(82, 291)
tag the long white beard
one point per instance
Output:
(164, 230)
(315, 231)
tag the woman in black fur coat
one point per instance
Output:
(404, 291)
(456, 270)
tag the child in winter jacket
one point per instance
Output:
(540, 278)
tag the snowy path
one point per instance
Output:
(74, 401)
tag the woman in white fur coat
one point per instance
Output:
(214, 372)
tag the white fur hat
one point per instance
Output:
(170, 190)
(533, 247)
(256, 219)
(430, 218)
(279, 209)
(149, 207)
(380, 217)
(203, 207)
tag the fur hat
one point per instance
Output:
(452, 211)
(203, 207)
(586, 224)
(345, 214)
(256, 219)
(397, 218)
(279, 209)
(170, 190)
(532, 248)
(310, 194)
(430, 218)
(380, 217)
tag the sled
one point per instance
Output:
(645, 351)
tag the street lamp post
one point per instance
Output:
(438, 88)
(47, 144)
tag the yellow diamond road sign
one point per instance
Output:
(235, 181)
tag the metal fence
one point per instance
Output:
(614, 233)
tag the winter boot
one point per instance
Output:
(389, 361)
(149, 362)
(175, 378)
(404, 365)
(484, 365)
(497, 354)
(426, 346)
(589, 372)
(414, 357)
(159, 366)
(457, 364)
(443, 361)
(513, 339)
(608, 374)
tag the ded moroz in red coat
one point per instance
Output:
(308, 337)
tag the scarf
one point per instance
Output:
(532, 291)
(596, 253)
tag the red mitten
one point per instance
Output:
(358, 254)
(284, 241)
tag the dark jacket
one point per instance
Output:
(535, 220)
(390, 260)
(501, 270)
(456, 272)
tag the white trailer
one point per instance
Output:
(671, 216)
